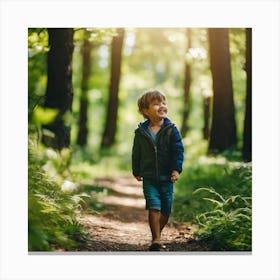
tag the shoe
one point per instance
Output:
(155, 247)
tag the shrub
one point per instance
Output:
(52, 213)
(228, 225)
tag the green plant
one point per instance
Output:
(229, 179)
(52, 213)
(228, 225)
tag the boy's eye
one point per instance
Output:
(160, 104)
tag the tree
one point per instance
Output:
(109, 134)
(223, 128)
(187, 84)
(86, 67)
(59, 92)
(247, 132)
(206, 116)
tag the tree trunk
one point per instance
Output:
(247, 133)
(223, 129)
(206, 115)
(109, 134)
(59, 92)
(83, 118)
(187, 84)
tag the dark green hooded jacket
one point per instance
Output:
(156, 159)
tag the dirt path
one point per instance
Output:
(123, 225)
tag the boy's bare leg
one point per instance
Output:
(154, 222)
(163, 221)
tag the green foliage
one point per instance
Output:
(224, 215)
(37, 67)
(44, 115)
(228, 225)
(91, 193)
(52, 213)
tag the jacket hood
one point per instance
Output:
(145, 124)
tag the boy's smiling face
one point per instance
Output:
(157, 110)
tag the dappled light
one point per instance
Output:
(83, 87)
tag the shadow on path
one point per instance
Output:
(123, 226)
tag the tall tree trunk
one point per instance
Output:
(223, 129)
(247, 133)
(83, 118)
(109, 134)
(187, 84)
(206, 115)
(59, 92)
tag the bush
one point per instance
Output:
(224, 217)
(228, 225)
(227, 178)
(52, 221)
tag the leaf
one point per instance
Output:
(216, 202)
(212, 191)
(44, 115)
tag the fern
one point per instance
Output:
(52, 221)
(228, 225)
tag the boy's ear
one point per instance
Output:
(144, 111)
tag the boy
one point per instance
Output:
(157, 158)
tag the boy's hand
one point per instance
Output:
(174, 176)
(138, 178)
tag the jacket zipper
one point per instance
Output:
(156, 158)
(154, 143)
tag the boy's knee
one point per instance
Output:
(154, 210)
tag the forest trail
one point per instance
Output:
(123, 226)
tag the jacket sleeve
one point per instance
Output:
(136, 156)
(177, 150)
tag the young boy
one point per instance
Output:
(157, 158)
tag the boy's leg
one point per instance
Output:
(166, 203)
(163, 221)
(154, 222)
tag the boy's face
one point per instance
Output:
(157, 110)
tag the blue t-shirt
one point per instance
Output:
(153, 134)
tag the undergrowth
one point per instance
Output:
(227, 226)
(216, 194)
(52, 213)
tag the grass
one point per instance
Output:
(52, 213)
(216, 194)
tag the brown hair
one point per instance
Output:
(147, 98)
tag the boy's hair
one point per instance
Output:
(147, 98)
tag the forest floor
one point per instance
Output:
(123, 224)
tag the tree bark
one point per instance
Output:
(83, 117)
(247, 132)
(109, 134)
(223, 129)
(187, 84)
(206, 115)
(59, 92)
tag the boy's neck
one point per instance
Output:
(156, 122)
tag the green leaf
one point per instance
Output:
(212, 191)
(214, 201)
(44, 115)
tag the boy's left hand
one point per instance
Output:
(174, 176)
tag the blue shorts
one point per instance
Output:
(158, 195)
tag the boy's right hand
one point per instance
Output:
(138, 178)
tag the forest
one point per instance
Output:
(83, 86)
